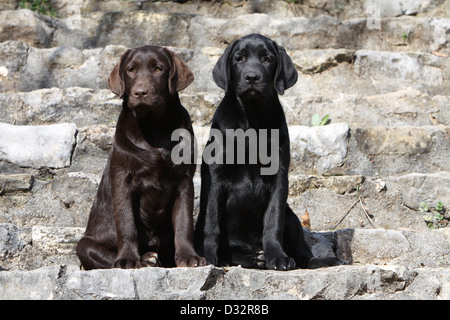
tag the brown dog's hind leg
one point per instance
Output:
(94, 255)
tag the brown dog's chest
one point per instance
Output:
(155, 190)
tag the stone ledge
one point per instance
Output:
(235, 283)
(39, 246)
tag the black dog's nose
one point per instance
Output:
(140, 92)
(252, 77)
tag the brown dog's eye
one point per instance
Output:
(157, 69)
(131, 70)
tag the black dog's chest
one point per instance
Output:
(248, 192)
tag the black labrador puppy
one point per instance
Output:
(142, 214)
(244, 218)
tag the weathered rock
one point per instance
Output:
(379, 72)
(33, 285)
(230, 9)
(398, 141)
(338, 202)
(394, 71)
(99, 29)
(37, 146)
(417, 188)
(339, 184)
(342, 283)
(377, 246)
(15, 183)
(55, 241)
(408, 107)
(76, 191)
(82, 106)
(397, 8)
(398, 150)
(87, 107)
(236, 283)
(42, 206)
(26, 25)
(316, 61)
(201, 106)
(14, 56)
(318, 149)
(11, 242)
(28, 68)
(292, 33)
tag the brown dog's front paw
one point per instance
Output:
(191, 261)
(150, 259)
(127, 264)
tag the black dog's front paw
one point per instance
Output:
(212, 259)
(315, 263)
(281, 263)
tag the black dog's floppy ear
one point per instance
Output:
(180, 76)
(286, 74)
(115, 80)
(221, 71)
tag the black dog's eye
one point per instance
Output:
(239, 58)
(267, 59)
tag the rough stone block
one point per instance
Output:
(318, 150)
(37, 146)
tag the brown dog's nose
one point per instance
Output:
(140, 92)
(252, 77)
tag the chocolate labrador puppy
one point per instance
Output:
(142, 214)
(244, 218)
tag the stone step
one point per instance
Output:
(329, 72)
(63, 199)
(337, 149)
(88, 107)
(368, 282)
(385, 263)
(98, 29)
(357, 201)
(376, 164)
(38, 246)
(334, 149)
(406, 107)
(276, 8)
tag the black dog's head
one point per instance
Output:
(148, 75)
(254, 67)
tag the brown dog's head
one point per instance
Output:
(148, 75)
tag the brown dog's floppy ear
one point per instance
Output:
(115, 80)
(180, 75)
(286, 74)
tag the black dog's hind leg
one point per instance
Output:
(294, 242)
(295, 245)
